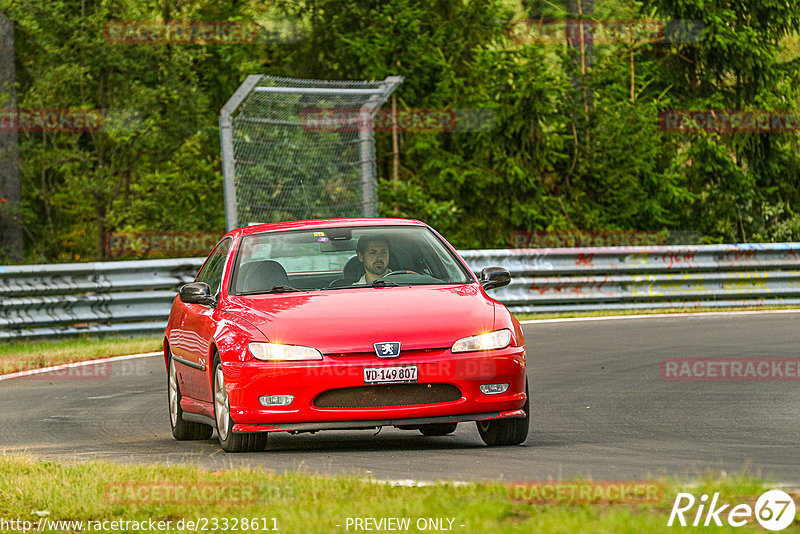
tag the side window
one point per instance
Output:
(211, 273)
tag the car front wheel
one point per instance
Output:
(500, 432)
(231, 442)
(182, 430)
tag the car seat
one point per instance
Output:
(263, 276)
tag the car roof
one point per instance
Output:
(325, 223)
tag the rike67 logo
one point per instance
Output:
(774, 510)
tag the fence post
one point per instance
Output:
(10, 190)
(226, 142)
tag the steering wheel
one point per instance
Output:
(401, 271)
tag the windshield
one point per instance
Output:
(344, 258)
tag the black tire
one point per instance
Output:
(502, 432)
(438, 429)
(182, 430)
(228, 440)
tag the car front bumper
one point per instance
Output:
(246, 382)
(356, 425)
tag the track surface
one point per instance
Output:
(600, 409)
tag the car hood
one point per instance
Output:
(352, 320)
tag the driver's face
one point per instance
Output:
(375, 259)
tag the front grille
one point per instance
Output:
(387, 395)
(404, 353)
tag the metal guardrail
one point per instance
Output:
(135, 296)
(619, 278)
(78, 298)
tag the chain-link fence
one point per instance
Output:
(300, 149)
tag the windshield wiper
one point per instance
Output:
(284, 289)
(374, 283)
(275, 289)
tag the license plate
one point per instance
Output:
(390, 375)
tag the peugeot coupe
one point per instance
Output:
(342, 324)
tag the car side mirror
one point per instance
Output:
(197, 293)
(492, 277)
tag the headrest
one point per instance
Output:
(353, 270)
(263, 276)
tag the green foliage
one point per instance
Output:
(742, 183)
(153, 165)
(564, 148)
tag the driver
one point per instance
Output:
(373, 253)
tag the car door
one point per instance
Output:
(199, 326)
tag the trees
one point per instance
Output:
(746, 185)
(152, 162)
(539, 158)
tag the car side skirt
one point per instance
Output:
(352, 425)
(197, 418)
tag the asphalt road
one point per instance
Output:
(600, 409)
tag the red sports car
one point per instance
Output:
(342, 324)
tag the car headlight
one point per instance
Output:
(286, 353)
(498, 339)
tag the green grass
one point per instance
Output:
(612, 313)
(302, 503)
(22, 355)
